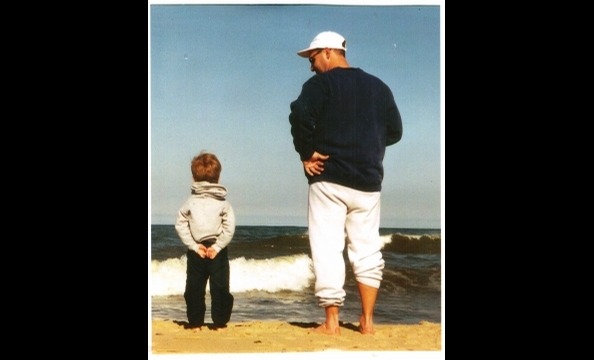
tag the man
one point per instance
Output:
(341, 124)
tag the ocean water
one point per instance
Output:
(272, 277)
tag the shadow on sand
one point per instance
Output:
(313, 325)
(186, 325)
(303, 325)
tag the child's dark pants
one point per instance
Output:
(198, 272)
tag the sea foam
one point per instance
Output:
(292, 272)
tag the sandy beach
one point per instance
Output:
(171, 337)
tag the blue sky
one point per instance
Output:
(221, 78)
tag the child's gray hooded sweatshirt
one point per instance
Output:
(206, 215)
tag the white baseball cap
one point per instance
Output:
(326, 39)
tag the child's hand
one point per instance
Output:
(202, 251)
(211, 253)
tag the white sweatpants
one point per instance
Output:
(334, 209)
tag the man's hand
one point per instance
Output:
(315, 165)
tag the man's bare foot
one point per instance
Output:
(366, 327)
(327, 329)
(196, 329)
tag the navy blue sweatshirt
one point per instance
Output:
(351, 116)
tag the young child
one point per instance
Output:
(205, 224)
